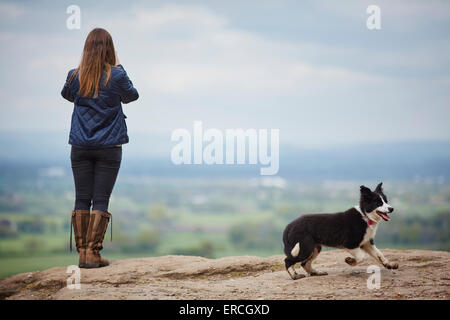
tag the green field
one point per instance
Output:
(211, 218)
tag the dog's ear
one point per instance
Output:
(365, 190)
(379, 188)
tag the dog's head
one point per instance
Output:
(375, 204)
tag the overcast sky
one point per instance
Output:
(309, 68)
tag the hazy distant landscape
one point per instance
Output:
(213, 211)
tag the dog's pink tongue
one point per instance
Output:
(386, 217)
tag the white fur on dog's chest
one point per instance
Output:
(371, 230)
(370, 233)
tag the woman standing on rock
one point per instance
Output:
(98, 87)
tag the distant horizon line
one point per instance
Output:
(317, 146)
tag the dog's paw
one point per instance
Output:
(390, 265)
(350, 261)
(318, 273)
(298, 276)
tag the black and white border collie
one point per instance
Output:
(352, 230)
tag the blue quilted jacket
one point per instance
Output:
(100, 121)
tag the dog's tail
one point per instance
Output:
(296, 250)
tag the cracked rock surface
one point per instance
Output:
(422, 274)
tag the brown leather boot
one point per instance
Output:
(80, 223)
(95, 234)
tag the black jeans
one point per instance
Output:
(94, 172)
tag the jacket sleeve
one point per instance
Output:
(67, 91)
(127, 92)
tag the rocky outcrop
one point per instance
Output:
(422, 274)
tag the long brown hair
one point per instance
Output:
(98, 57)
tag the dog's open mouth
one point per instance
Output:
(383, 215)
